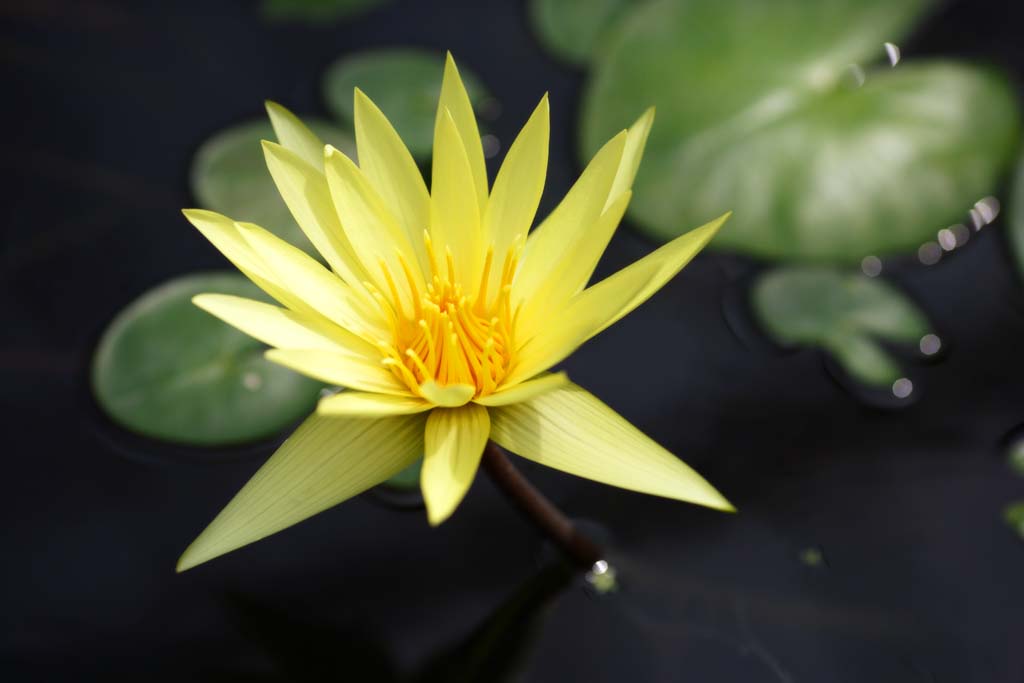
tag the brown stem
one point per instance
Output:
(549, 519)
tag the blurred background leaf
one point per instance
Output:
(844, 314)
(316, 11)
(168, 370)
(574, 29)
(764, 108)
(230, 176)
(1015, 226)
(405, 83)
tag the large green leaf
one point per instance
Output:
(759, 110)
(574, 29)
(168, 370)
(843, 313)
(230, 176)
(404, 82)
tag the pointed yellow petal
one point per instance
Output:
(450, 396)
(517, 189)
(223, 233)
(371, 228)
(524, 391)
(550, 245)
(293, 134)
(342, 369)
(454, 441)
(280, 327)
(571, 430)
(454, 215)
(636, 140)
(304, 190)
(455, 99)
(390, 168)
(576, 324)
(362, 404)
(654, 270)
(325, 462)
(316, 286)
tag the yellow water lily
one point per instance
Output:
(440, 313)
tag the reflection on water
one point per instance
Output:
(871, 266)
(892, 51)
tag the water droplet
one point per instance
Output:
(987, 208)
(892, 51)
(252, 381)
(902, 388)
(947, 240)
(961, 232)
(930, 344)
(491, 145)
(602, 578)
(929, 253)
(871, 265)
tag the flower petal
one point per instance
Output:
(280, 327)
(316, 286)
(454, 215)
(342, 369)
(455, 99)
(517, 189)
(524, 391)
(636, 140)
(304, 190)
(450, 396)
(390, 168)
(294, 135)
(362, 404)
(372, 229)
(571, 430)
(325, 462)
(454, 442)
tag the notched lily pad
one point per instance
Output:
(405, 83)
(774, 110)
(574, 29)
(170, 371)
(229, 175)
(844, 314)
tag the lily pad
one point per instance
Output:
(1015, 226)
(405, 83)
(229, 175)
(765, 108)
(316, 11)
(844, 314)
(1013, 515)
(170, 371)
(408, 479)
(573, 29)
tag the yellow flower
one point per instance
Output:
(439, 315)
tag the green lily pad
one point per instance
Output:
(316, 11)
(1015, 226)
(170, 371)
(762, 108)
(408, 479)
(405, 83)
(1013, 515)
(844, 314)
(229, 175)
(573, 29)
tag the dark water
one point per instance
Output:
(869, 547)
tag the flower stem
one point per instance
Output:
(545, 516)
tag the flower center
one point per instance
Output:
(454, 336)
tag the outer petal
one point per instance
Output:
(455, 99)
(571, 430)
(455, 439)
(390, 168)
(343, 369)
(454, 215)
(304, 190)
(294, 135)
(280, 327)
(361, 404)
(326, 461)
(450, 395)
(518, 187)
(525, 390)
(636, 140)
